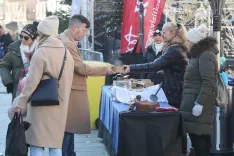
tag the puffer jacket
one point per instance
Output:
(11, 65)
(173, 63)
(200, 86)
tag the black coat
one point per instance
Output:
(150, 57)
(173, 63)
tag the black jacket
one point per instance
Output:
(173, 63)
(150, 57)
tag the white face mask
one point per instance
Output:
(158, 47)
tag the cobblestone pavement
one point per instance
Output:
(85, 145)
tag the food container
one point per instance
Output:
(147, 106)
(118, 69)
(123, 83)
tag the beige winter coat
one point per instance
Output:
(47, 122)
(78, 119)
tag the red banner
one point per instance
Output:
(152, 15)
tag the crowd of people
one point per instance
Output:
(184, 61)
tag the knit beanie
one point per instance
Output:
(49, 26)
(196, 34)
(31, 30)
(157, 32)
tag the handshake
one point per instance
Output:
(118, 69)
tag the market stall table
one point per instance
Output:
(139, 133)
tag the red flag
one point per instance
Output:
(152, 15)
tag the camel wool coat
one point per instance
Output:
(78, 117)
(47, 122)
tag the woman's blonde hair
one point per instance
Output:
(180, 31)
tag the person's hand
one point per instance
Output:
(18, 109)
(126, 69)
(110, 71)
(10, 88)
(197, 109)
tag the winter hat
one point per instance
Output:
(31, 30)
(157, 32)
(49, 26)
(196, 34)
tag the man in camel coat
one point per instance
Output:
(78, 116)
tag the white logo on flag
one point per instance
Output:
(131, 38)
(137, 8)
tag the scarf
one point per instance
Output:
(26, 52)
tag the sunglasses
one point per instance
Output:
(24, 37)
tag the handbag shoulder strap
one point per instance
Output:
(64, 60)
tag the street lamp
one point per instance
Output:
(217, 9)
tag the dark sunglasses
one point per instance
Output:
(25, 37)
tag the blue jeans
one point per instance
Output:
(39, 151)
(68, 144)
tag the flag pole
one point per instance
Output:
(141, 34)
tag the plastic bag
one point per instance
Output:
(15, 140)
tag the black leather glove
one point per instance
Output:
(10, 88)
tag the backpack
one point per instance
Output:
(221, 92)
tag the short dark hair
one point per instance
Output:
(0, 26)
(79, 19)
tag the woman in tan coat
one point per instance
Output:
(47, 122)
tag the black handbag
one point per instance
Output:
(46, 93)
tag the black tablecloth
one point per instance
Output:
(151, 134)
(139, 133)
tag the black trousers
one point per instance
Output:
(201, 144)
(68, 145)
